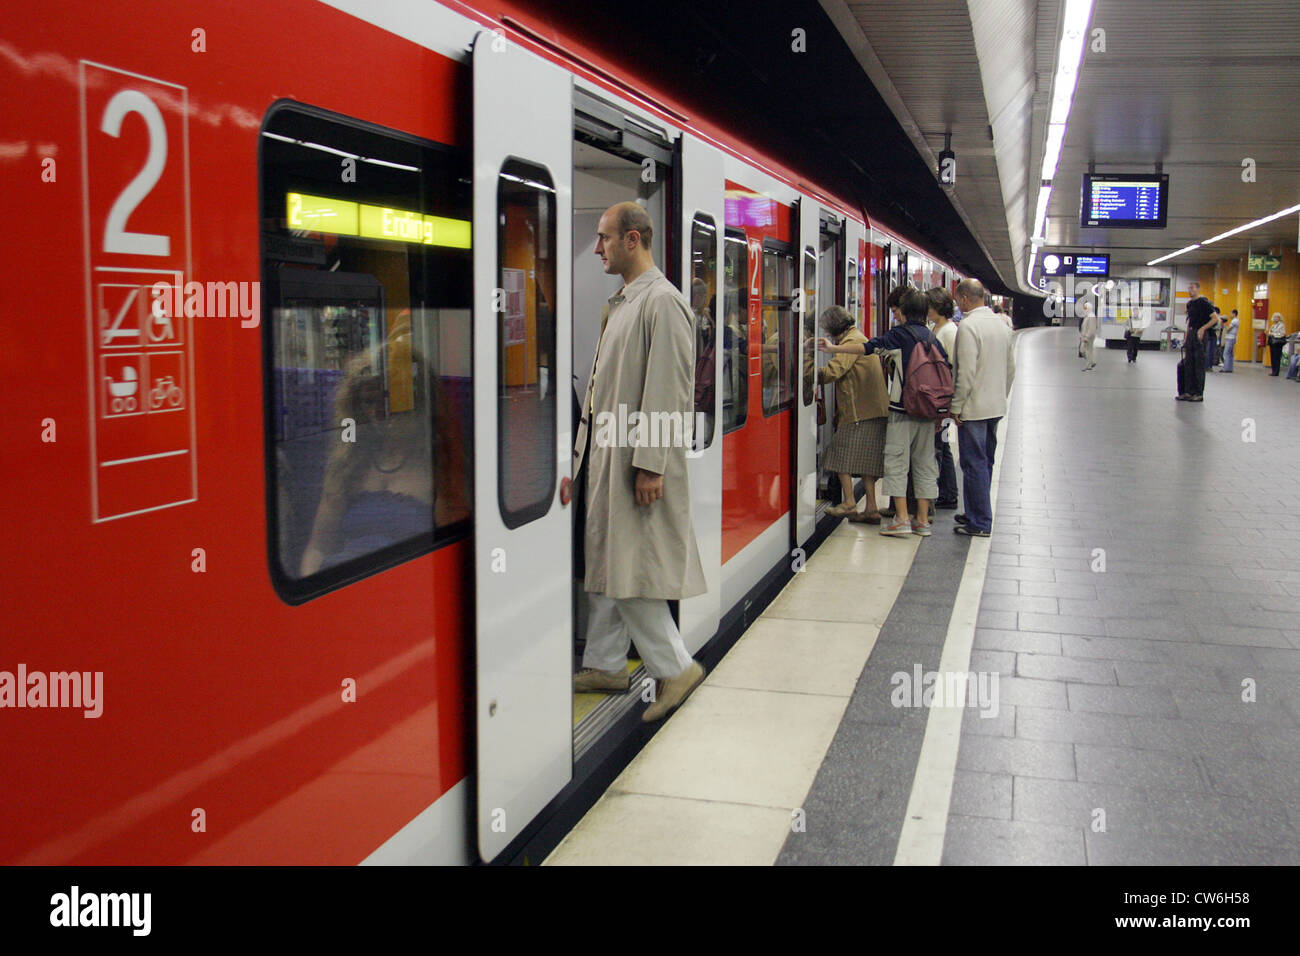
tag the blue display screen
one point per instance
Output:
(1136, 201)
(1092, 265)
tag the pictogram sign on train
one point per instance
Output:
(136, 203)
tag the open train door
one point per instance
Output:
(523, 219)
(805, 405)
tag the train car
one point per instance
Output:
(288, 570)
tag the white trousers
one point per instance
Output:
(646, 622)
(1089, 353)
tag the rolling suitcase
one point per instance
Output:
(1182, 389)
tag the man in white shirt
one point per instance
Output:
(984, 366)
(945, 330)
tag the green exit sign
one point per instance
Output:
(1263, 263)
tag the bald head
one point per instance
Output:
(970, 294)
(629, 217)
(623, 240)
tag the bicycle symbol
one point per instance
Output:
(165, 390)
(122, 394)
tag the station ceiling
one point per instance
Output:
(1198, 86)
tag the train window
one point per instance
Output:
(809, 305)
(779, 343)
(735, 331)
(855, 281)
(366, 279)
(704, 303)
(526, 263)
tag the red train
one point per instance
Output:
(288, 574)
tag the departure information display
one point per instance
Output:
(1092, 265)
(1068, 264)
(1135, 201)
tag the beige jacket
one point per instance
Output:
(644, 366)
(860, 391)
(984, 366)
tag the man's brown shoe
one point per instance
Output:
(673, 691)
(591, 681)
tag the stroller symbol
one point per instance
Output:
(122, 394)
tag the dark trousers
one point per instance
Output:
(947, 471)
(1275, 355)
(1211, 349)
(1194, 367)
(1132, 346)
(978, 443)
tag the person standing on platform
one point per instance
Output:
(1088, 336)
(984, 367)
(1276, 339)
(640, 547)
(942, 308)
(1230, 341)
(1132, 336)
(1191, 374)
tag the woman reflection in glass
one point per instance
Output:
(379, 488)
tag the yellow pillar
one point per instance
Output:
(1225, 290)
(1242, 303)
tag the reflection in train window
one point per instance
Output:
(704, 303)
(526, 263)
(735, 331)
(367, 383)
(779, 343)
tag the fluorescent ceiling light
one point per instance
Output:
(1231, 232)
(1052, 149)
(1194, 245)
(1252, 225)
(1040, 217)
(1069, 55)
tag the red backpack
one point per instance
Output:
(927, 387)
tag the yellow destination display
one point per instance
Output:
(322, 215)
(343, 218)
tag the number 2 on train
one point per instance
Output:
(116, 238)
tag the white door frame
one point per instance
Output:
(702, 182)
(805, 504)
(523, 108)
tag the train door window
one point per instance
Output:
(704, 303)
(809, 322)
(526, 406)
(735, 330)
(884, 285)
(853, 297)
(779, 343)
(366, 281)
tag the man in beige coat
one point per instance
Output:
(640, 546)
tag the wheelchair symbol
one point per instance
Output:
(160, 326)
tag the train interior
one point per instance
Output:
(610, 165)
